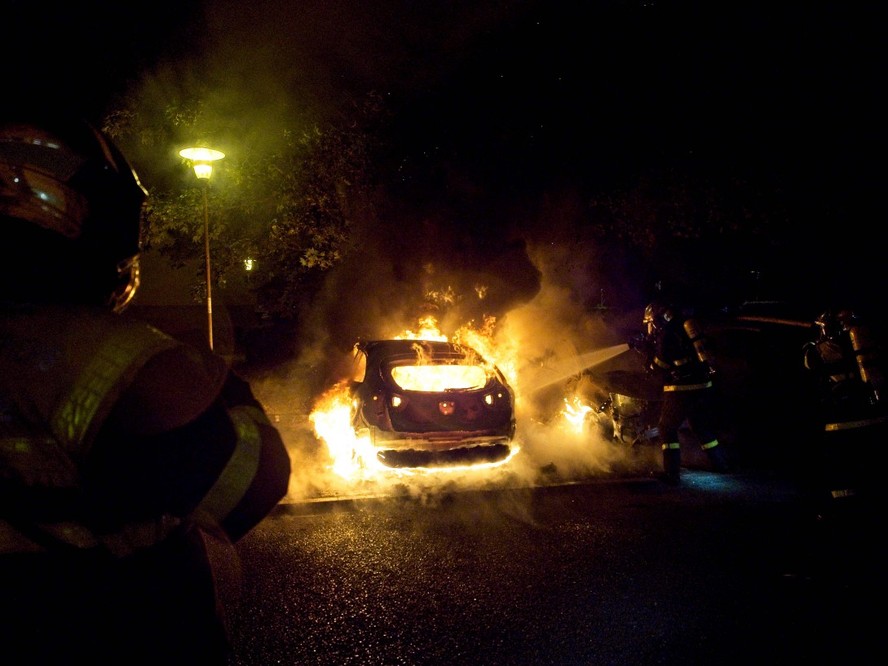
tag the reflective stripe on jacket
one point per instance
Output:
(65, 367)
(64, 372)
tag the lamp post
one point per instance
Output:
(202, 160)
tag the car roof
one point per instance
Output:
(392, 349)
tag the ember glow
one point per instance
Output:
(428, 330)
(439, 377)
(576, 413)
(351, 456)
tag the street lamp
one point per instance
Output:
(202, 160)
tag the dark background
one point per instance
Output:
(508, 118)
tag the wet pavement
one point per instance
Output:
(725, 569)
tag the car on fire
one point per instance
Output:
(431, 403)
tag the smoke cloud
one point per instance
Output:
(467, 248)
(534, 298)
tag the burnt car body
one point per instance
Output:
(466, 415)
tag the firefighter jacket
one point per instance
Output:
(846, 382)
(112, 434)
(673, 358)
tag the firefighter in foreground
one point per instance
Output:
(846, 369)
(674, 350)
(129, 462)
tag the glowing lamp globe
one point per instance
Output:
(202, 160)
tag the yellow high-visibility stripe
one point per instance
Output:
(841, 376)
(848, 425)
(240, 470)
(124, 350)
(687, 387)
(255, 413)
(671, 445)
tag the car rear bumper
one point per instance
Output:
(461, 455)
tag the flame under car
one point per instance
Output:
(429, 403)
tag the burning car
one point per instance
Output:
(427, 403)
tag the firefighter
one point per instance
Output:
(845, 367)
(674, 350)
(130, 463)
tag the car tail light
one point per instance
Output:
(494, 398)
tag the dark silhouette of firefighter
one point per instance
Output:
(674, 350)
(130, 463)
(846, 368)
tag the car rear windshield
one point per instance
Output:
(435, 377)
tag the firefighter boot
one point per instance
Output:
(717, 458)
(671, 464)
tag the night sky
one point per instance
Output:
(561, 88)
(508, 116)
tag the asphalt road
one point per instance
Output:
(615, 570)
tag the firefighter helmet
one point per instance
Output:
(657, 315)
(73, 209)
(847, 319)
(829, 324)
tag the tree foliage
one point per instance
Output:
(287, 203)
(708, 235)
(665, 206)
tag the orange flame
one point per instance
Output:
(575, 413)
(428, 330)
(331, 419)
